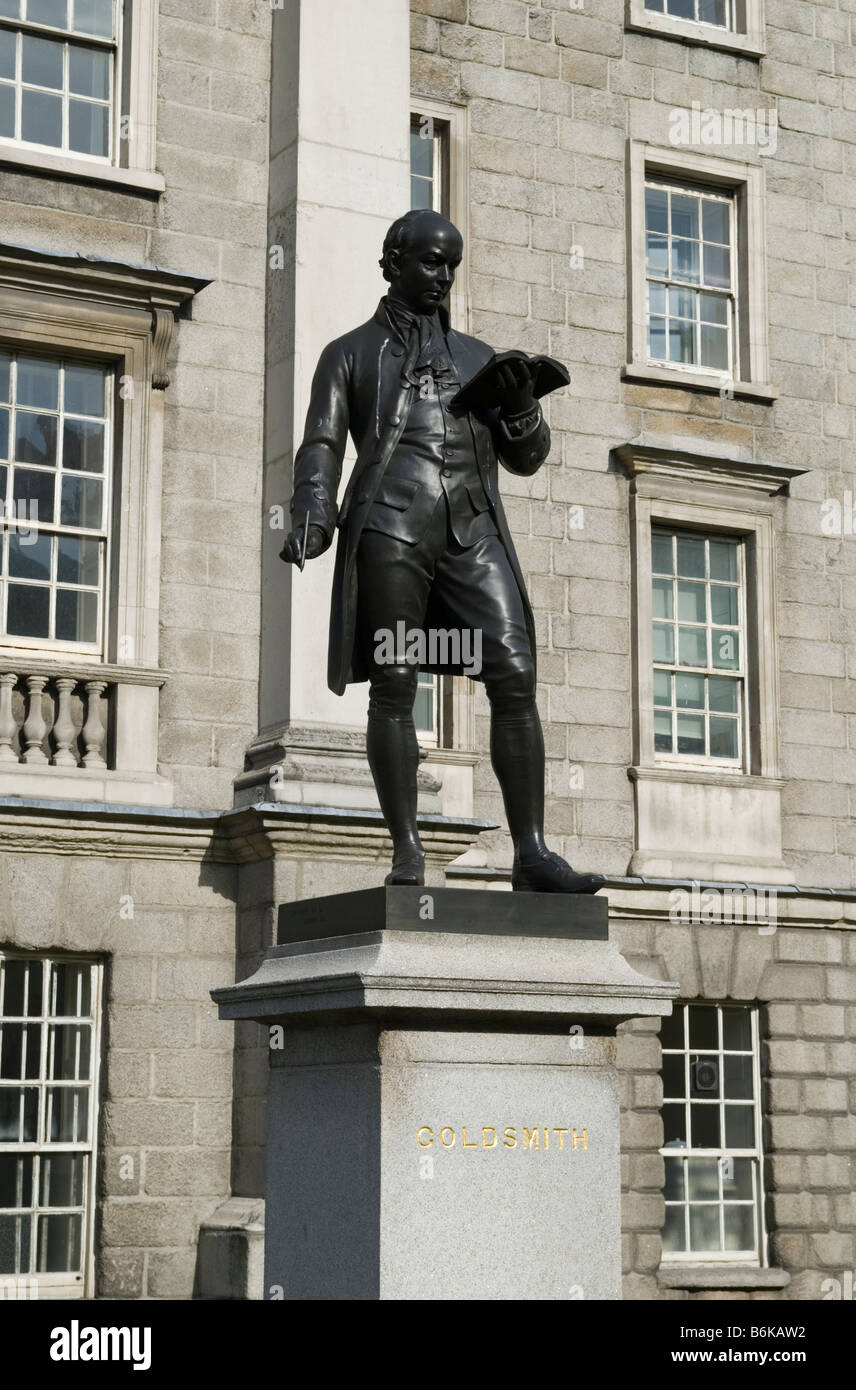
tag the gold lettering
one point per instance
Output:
(451, 1143)
(546, 1138)
(583, 1138)
(488, 1130)
(512, 1142)
(561, 1133)
(464, 1143)
(532, 1137)
(425, 1130)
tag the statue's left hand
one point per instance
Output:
(517, 379)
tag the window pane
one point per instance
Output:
(703, 1179)
(713, 308)
(661, 553)
(7, 111)
(723, 604)
(725, 649)
(714, 346)
(738, 1077)
(16, 1180)
(33, 494)
(4, 435)
(681, 9)
(739, 1228)
(83, 446)
(30, 556)
(19, 1051)
(684, 215)
(38, 383)
(704, 1126)
(78, 560)
(664, 644)
(14, 1244)
(722, 697)
(691, 734)
(422, 149)
(692, 646)
(673, 1190)
(689, 692)
(53, 12)
(672, 1028)
(685, 264)
(657, 257)
(663, 733)
(80, 503)
(68, 1121)
(58, 1244)
(739, 1127)
(674, 1126)
(682, 303)
(68, 1053)
(657, 337)
(41, 62)
(84, 390)
(704, 1077)
(29, 611)
(681, 341)
(674, 1235)
(715, 216)
(704, 1031)
(7, 53)
(35, 438)
(691, 604)
(41, 118)
(717, 266)
(94, 17)
(70, 993)
(62, 1179)
(656, 210)
(662, 688)
(22, 988)
(723, 737)
(18, 1113)
(661, 599)
(704, 1228)
(673, 1077)
(88, 127)
(88, 72)
(723, 561)
(739, 1183)
(10, 9)
(76, 616)
(656, 297)
(736, 1023)
(691, 557)
(421, 194)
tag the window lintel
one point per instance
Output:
(751, 475)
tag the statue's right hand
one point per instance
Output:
(293, 548)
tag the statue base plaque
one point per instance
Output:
(443, 1102)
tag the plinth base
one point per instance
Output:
(443, 1105)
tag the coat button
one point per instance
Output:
(396, 420)
(445, 472)
(397, 351)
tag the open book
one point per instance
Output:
(485, 390)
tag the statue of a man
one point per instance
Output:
(423, 537)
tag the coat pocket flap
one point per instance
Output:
(395, 492)
(478, 497)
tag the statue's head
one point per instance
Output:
(421, 252)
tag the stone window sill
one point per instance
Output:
(642, 21)
(721, 1277)
(81, 170)
(647, 374)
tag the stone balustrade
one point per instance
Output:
(61, 720)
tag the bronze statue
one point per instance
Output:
(423, 539)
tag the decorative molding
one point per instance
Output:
(72, 273)
(682, 464)
(163, 322)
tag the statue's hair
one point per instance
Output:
(402, 233)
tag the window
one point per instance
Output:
(732, 25)
(698, 282)
(58, 74)
(712, 1134)
(55, 473)
(698, 636)
(78, 88)
(49, 1051)
(429, 164)
(689, 237)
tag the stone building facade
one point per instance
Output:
(661, 198)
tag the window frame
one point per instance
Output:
(759, 1258)
(132, 161)
(59, 1285)
(748, 38)
(746, 182)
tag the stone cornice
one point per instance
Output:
(120, 282)
(689, 465)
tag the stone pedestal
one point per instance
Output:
(443, 1104)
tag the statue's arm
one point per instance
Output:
(318, 463)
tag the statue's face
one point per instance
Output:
(424, 273)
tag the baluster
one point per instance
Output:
(35, 727)
(94, 732)
(63, 729)
(8, 727)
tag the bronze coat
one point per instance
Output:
(357, 387)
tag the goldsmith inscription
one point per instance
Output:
(489, 1137)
